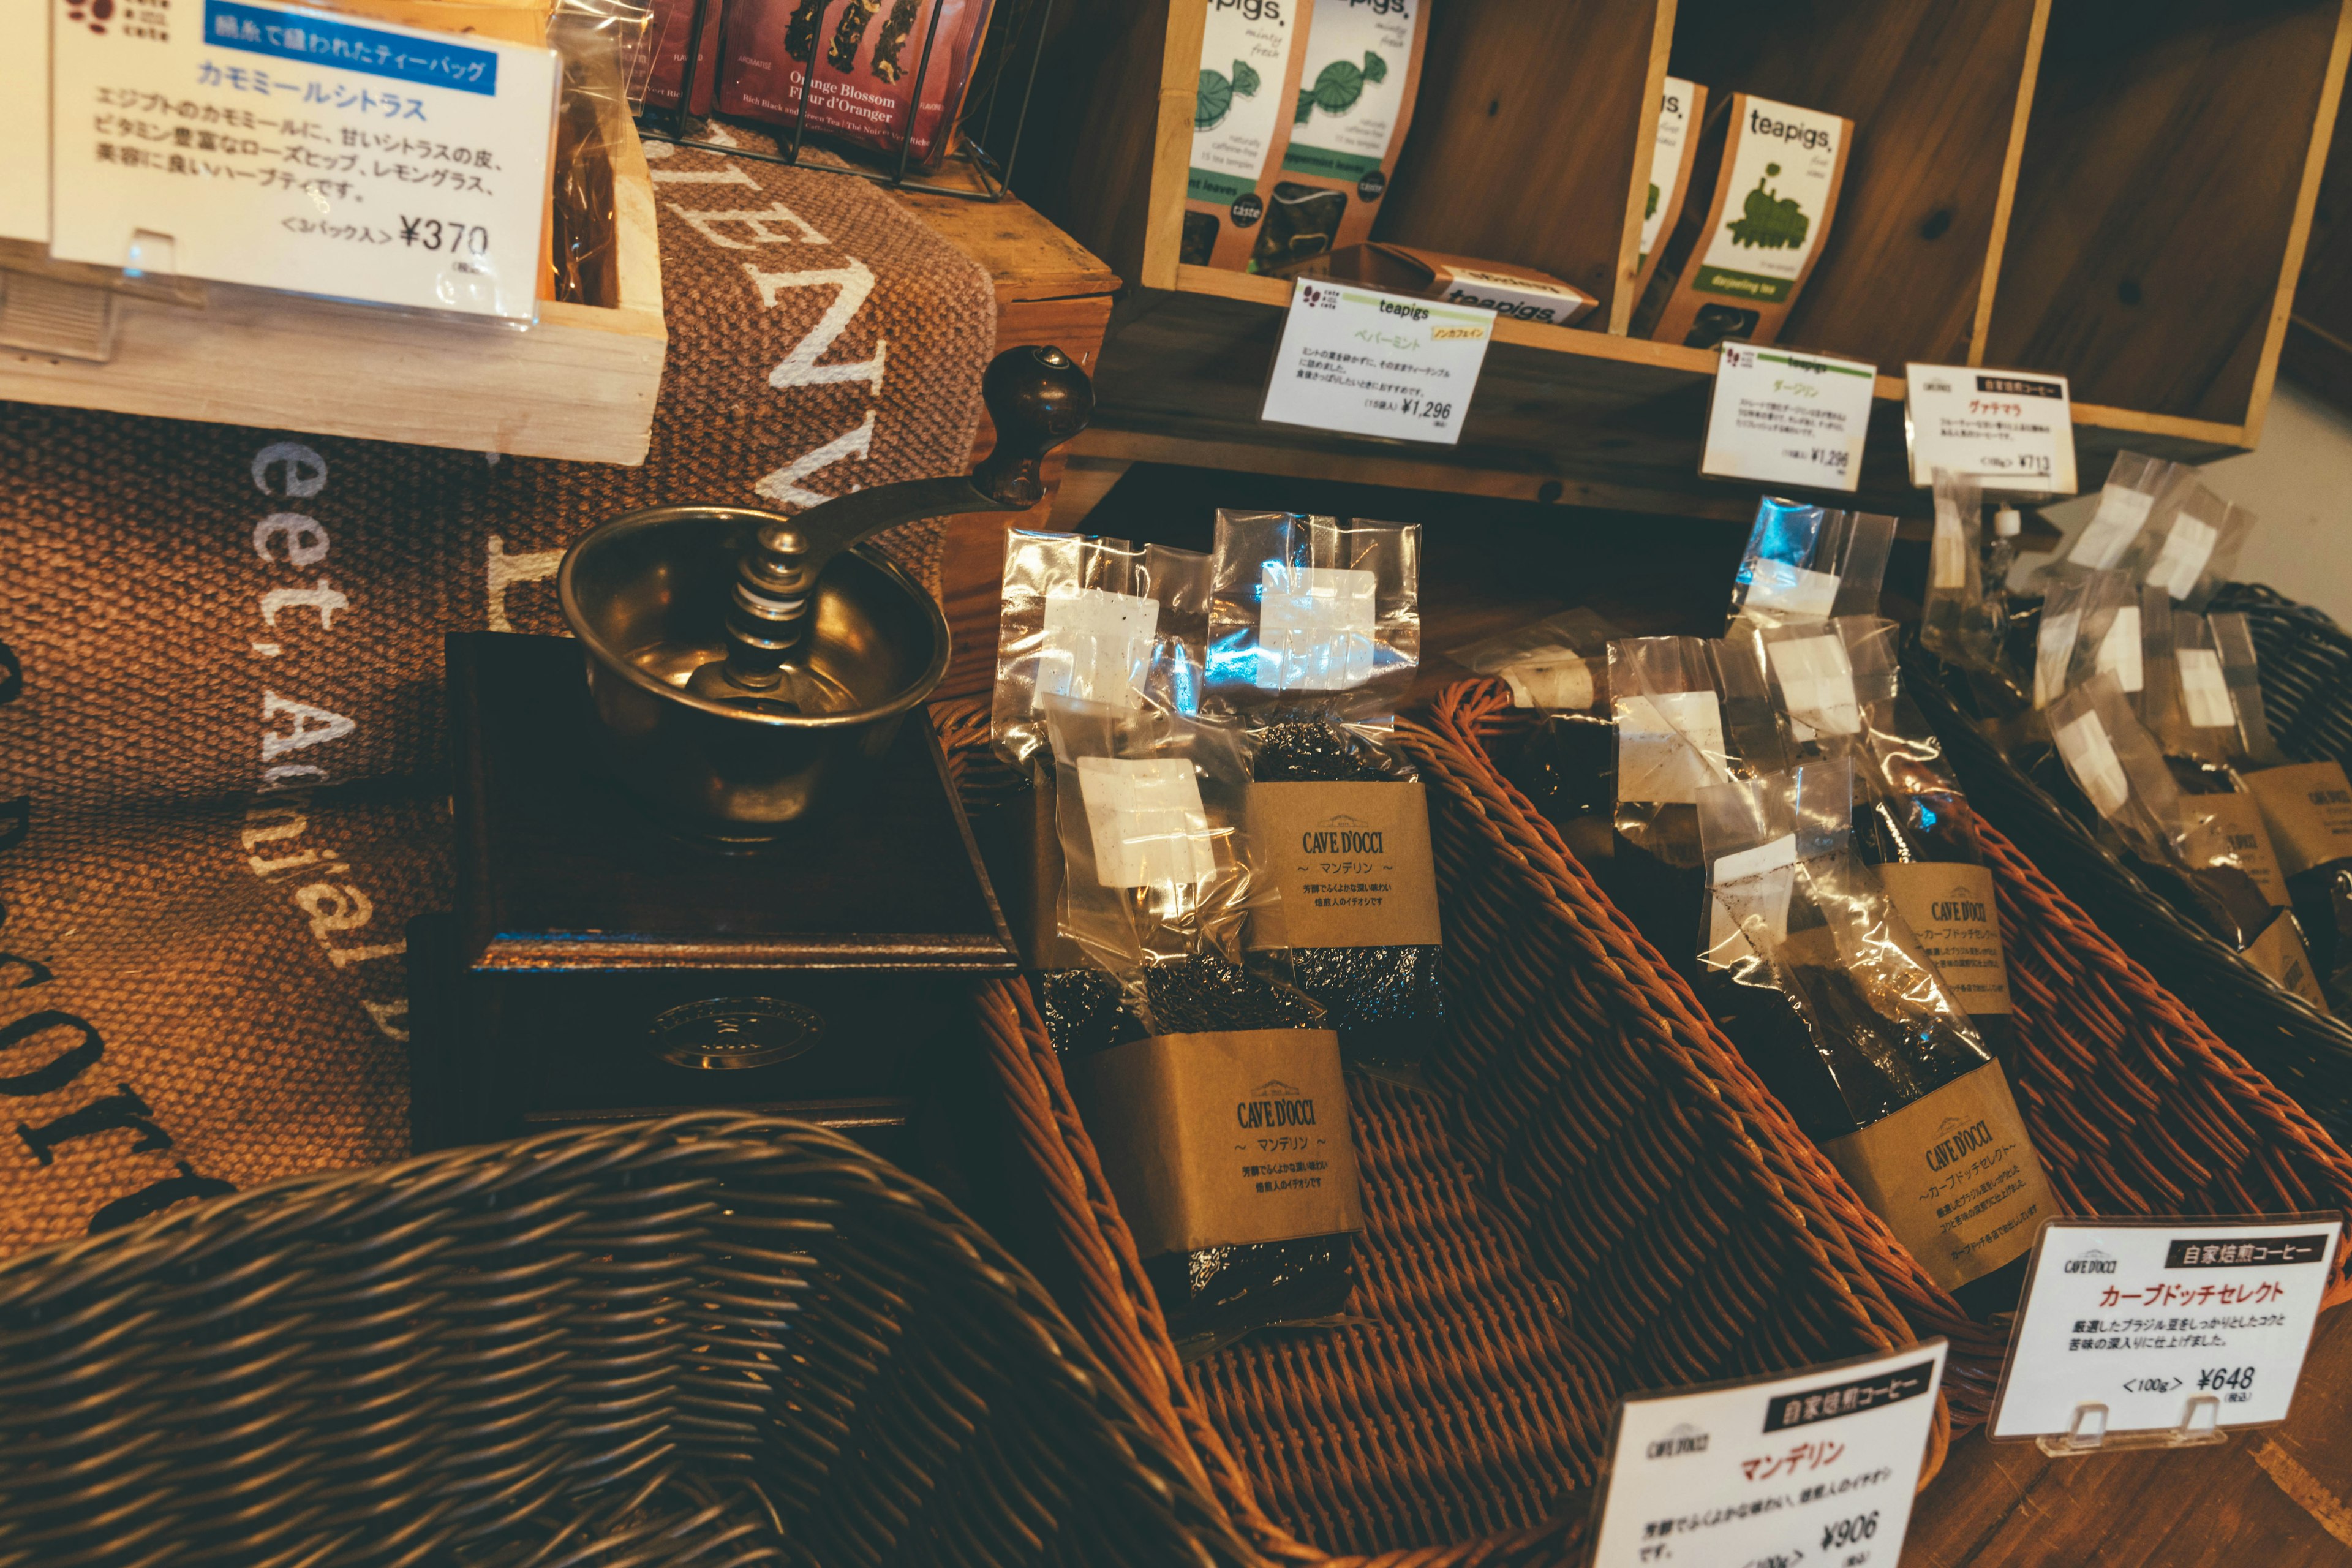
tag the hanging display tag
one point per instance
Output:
(1813, 1466)
(1783, 418)
(1816, 677)
(2135, 1333)
(2009, 430)
(1669, 746)
(1095, 646)
(1147, 825)
(247, 143)
(1365, 364)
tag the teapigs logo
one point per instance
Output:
(1275, 1103)
(1341, 835)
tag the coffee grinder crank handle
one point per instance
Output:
(1037, 398)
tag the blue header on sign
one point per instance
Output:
(293, 36)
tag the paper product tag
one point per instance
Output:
(1954, 1175)
(1520, 296)
(25, 120)
(1223, 1140)
(1147, 822)
(2053, 654)
(2227, 830)
(256, 143)
(1665, 160)
(1816, 678)
(2090, 757)
(1814, 1467)
(2279, 952)
(1351, 862)
(1097, 645)
(2182, 559)
(1669, 746)
(1947, 554)
(1798, 593)
(1365, 364)
(2122, 514)
(2010, 430)
(1315, 628)
(1950, 908)
(1782, 418)
(2204, 690)
(1751, 886)
(2119, 650)
(2307, 809)
(1558, 681)
(2146, 1319)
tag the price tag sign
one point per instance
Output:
(1369, 364)
(1784, 419)
(1816, 1467)
(2171, 1326)
(263, 144)
(2010, 430)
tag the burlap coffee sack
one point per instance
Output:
(226, 635)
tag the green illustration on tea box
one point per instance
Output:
(1217, 93)
(1770, 221)
(1338, 85)
(1651, 210)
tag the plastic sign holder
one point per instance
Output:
(2162, 1334)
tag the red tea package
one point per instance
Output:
(869, 56)
(663, 63)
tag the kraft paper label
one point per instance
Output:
(2279, 952)
(1950, 909)
(1351, 862)
(1223, 1140)
(1954, 1176)
(2227, 830)
(2308, 810)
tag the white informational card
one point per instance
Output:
(2184, 1326)
(1816, 1467)
(1784, 419)
(1368, 364)
(25, 119)
(284, 148)
(2011, 431)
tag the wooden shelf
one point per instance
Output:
(1987, 200)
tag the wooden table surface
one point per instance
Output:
(2274, 1499)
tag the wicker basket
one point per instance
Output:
(1593, 1199)
(713, 1338)
(2299, 1047)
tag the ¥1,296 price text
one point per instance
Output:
(432, 234)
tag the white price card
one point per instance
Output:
(1784, 419)
(2010, 430)
(1369, 364)
(1816, 1467)
(309, 151)
(2180, 1327)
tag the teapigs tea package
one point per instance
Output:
(1774, 196)
(1806, 563)
(1837, 1005)
(1680, 110)
(1315, 632)
(1348, 116)
(1216, 1097)
(1241, 117)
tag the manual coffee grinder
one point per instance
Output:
(728, 868)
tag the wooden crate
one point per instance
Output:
(2046, 184)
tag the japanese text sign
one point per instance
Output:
(2146, 1318)
(1785, 419)
(1376, 365)
(1813, 1466)
(2006, 430)
(263, 144)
